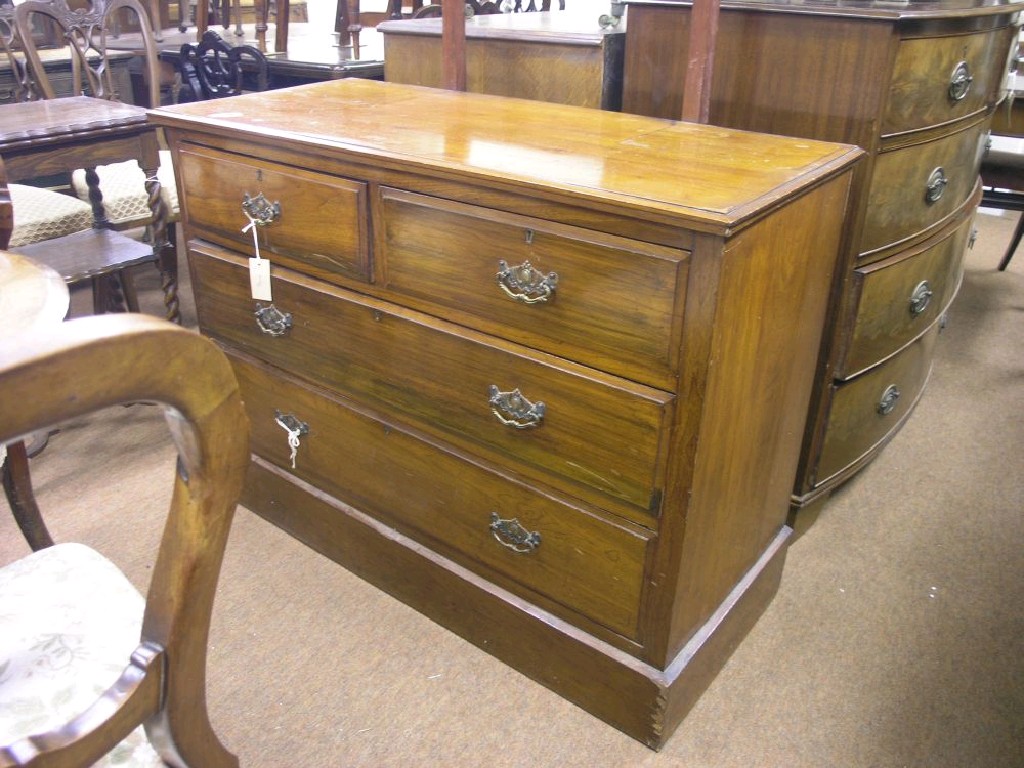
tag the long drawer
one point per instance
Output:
(314, 222)
(584, 427)
(867, 410)
(565, 290)
(939, 79)
(915, 187)
(898, 299)
(488, 523)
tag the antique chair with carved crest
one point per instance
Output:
(89, 666)
(212, 69)
(89, 34)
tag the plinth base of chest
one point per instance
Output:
(638, 699)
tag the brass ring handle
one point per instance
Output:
(514, 410)
(295, 429)
(260, 210)
(960, 81)
(511, 534)
(936, 185)
(920, 297)
(526, 283)
(888, 402)
(273, 321)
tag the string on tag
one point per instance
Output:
(254, 226)
(293, 439)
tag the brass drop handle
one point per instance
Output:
(514, 410)
(920, 297)
(511, 534)
(273, 321)
(261, 211)
(888, 402)
(960, 81)
(526, 283)
(936, 185)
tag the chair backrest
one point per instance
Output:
(96, 362)
(212, 69)
(90, 32)
(24, 85)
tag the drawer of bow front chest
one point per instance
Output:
(917, 186)
(939, 79)
(608, 302)
(486, 522)
(312, 222)
(898, 299)
(571, 425)
(867, 410)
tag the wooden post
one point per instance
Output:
(453, 44)
(701, 64)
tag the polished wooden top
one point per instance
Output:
(700, 173)
(31, 295)
(73, 117)
(878, 9)
(573, 26)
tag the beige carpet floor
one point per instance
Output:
(896, 639)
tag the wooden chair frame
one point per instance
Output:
(100, 361)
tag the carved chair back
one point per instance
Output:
(212, 69)
(24, 85)
(90, 32)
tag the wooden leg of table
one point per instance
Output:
(18, 488)
(281, 30)
(166, 260)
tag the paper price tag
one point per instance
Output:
(259, 279)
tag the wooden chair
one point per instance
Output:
(147, 658)
(60, 230)
(87, 32)
(212, 69)
(1002, 179)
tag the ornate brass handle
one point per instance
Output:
(960, 81)
(525, 283)
(509, 533)
(514, 410)
(260, 210)
(272, 321)
(936, 185)
(888, 401)
(920, 298)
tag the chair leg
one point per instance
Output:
(1017, 234)
(18, 488)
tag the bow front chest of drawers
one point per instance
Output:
(550, 389)
(913, 83)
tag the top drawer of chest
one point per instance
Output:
(940, 79)
(313, 222)
(612, 303)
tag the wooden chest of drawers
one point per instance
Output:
(549, 390)
(915, 84)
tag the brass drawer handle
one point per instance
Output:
(273, 321)
(295, 429)
(936, 185)
(261, 211)
(525, 283)
(509, 533)
(960, 81)
(888, 402)
(514, 410)
(920, 298)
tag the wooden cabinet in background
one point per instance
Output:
(565, 57)
(547, 386)
(914, 84)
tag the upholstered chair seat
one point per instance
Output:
(42, 214)
(124, 194)
(69, 621)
